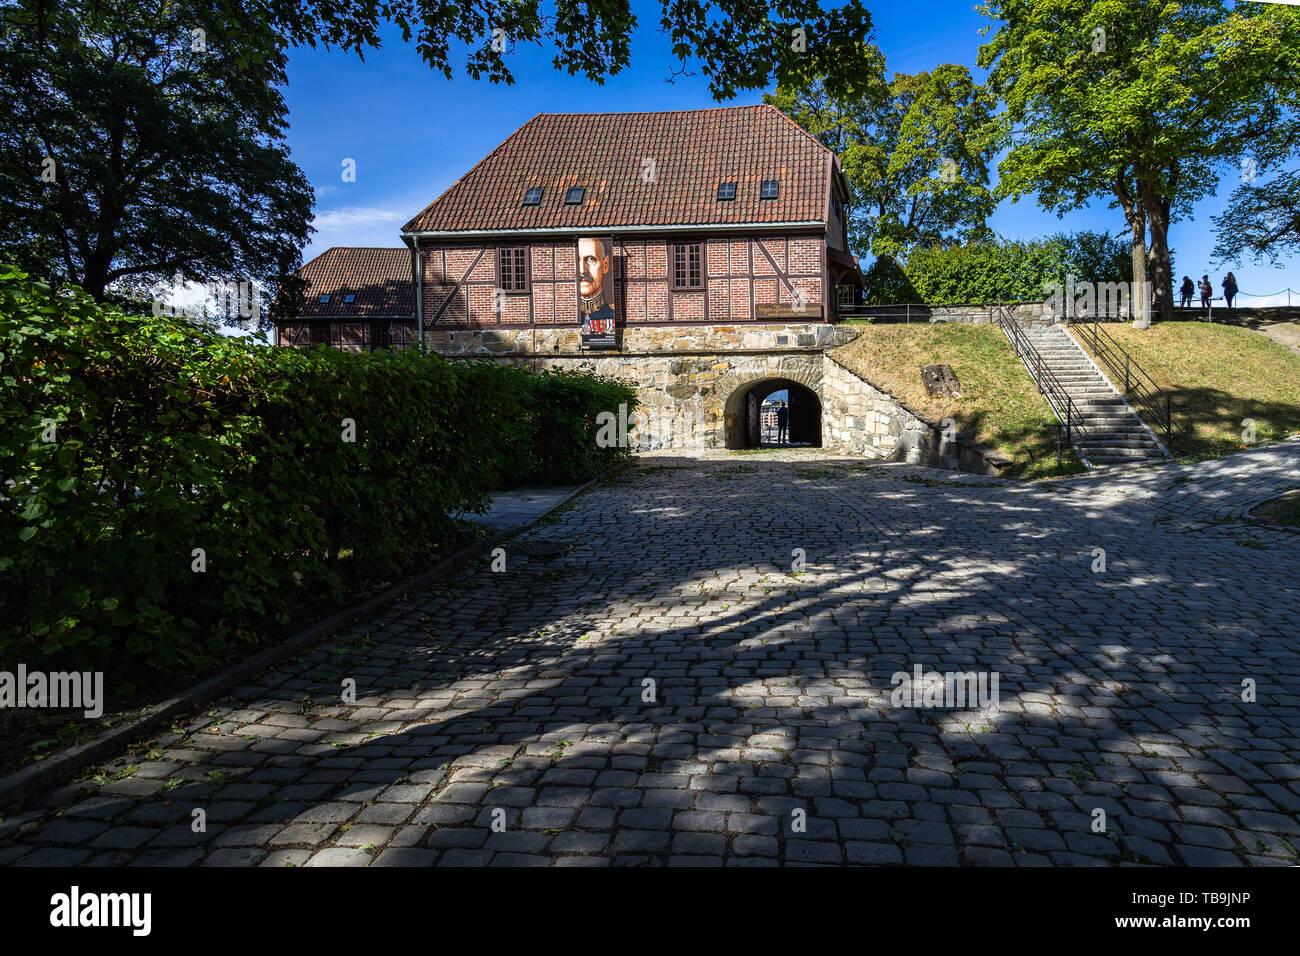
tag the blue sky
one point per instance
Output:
(412, 132)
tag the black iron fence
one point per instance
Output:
(1140, 389)
(1048, 384)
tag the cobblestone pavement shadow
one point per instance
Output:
(509, 718)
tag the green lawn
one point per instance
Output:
(1217, 376)
(999, 406)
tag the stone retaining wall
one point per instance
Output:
(1026, 313)
(685, 375)
(683, 337)
(691, 381)
(859, 418)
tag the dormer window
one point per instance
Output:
(325, 297)
(726, 191)
(533, 196)
(574, 196)
(770, 189)
(349, 299)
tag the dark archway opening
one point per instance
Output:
(760, 416)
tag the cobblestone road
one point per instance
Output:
(520, 698)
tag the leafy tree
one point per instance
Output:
(886, 282)
(739, 44)
(1094, 256)
(1141, 101)
(844, 125)
(915, 150)
(1000, 271)
(1261, 221)
(141, 146)
(165, 124)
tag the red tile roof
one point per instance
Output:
(379, 278)
(692, 151)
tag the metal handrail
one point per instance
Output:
(1049, 386)
(1139, 387)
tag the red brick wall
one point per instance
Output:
(461, 282)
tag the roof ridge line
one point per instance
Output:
(699, 109)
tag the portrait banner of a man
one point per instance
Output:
(596, 292)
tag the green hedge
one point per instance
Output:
(998, 271)
(167, 437)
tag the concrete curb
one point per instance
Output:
(22, 785)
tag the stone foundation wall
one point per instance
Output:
(860, 419)
(1026, 313)
(684, 399)
(691, 382)
(684, 374)
(640, 339)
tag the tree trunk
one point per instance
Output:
(1140, 299)
(1157, 213)
(1141, 296)
(94, 278)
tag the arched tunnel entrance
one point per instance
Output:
(756, 413)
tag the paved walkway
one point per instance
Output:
(1287, 333)
(506, 718)
(521, 506)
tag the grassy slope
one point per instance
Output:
(1218, 376)
(999, 406)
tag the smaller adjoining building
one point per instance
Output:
(358, 299)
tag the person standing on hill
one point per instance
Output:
(1186, 291)
(1207, 291)
(1229, 288)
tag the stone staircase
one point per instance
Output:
(1109, 432)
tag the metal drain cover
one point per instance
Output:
(540, 548)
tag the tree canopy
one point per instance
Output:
(737, 44)
(1261, 221)
(146, 139)
(140, 147)
(1142, 101)
(915, 149)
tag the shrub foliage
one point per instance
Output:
(127, 443)
(998, 271)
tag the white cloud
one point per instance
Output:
(352, 216)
